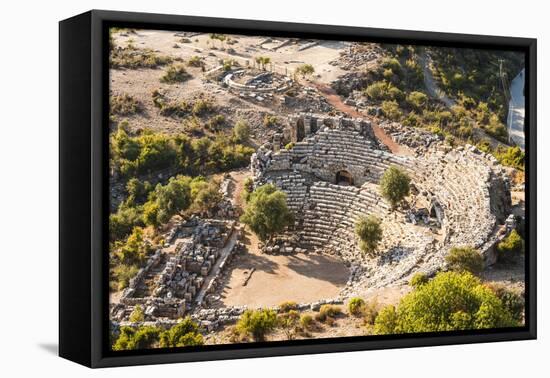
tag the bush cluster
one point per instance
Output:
(450, 301)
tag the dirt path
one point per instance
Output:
(335, 100)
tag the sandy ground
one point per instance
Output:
(260, 280)
(140, 83)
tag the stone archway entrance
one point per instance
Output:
(345, 178)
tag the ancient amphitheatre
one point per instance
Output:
(318, 135)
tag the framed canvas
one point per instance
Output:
(234, 188)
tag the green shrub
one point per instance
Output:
(370, 312)
(134, 250)
(383, 91)
(185, 333)
(266, 212)
(306, 321)
(195, 61)
(288, 321)
(121, 275)
(136, 338)
(511, 246)
(215, 122)
(137, 314)
(124, 105)
(257, 323)
(327, 312)
(201, 107)
(451, 301)
(512, 301)
(417, 99)
(123, 222)
(175, 74)
(418, 279)
(369, 231)
(395, 185)
(270, 120)
(305, 70)
(356, 306)
(511, 156)
(241, 131)
(464, 259)
(386, 322)
(131, 57)
(391, 110)
(287, 306)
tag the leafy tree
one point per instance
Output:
(369, 231)
(134, 250)
(257, 323)
(464, 259)
(136, 338)
(241, 131)
(206, 195)
(450, 301)
(137, 191)
(123, 222)
(266, 212)
(185, 333)
(395, 185)
(172, 198)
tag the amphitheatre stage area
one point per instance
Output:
(266, 189)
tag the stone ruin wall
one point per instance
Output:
(169, 285)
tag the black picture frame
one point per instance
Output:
(83, 181)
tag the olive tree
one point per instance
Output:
(266, 212)
(369, 231)
(395, 185)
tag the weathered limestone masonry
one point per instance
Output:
(173, 283)
(264, 82)
(460, 197)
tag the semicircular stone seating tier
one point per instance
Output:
(326, 213)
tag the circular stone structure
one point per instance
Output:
(251, 80)
(459, 197)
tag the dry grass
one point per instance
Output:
(124, 105)
(132, 57)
